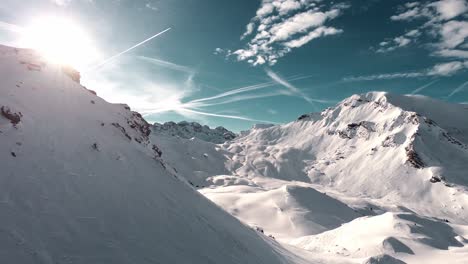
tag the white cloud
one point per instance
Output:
(449, 9)
(452, 53)
(287, 6)
(316, 33)
(151, 6)
(434, 10)
(383, 76)
(440, 22)
(282, 25)
(413, 33)
(442, 69)
(411, 4)
(398, 42)
(408, 14)
(265, 9)
(249, 30)
(402, 41)
(447, 68)
(454, 33)
(300, 23)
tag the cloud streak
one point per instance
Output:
(442, 69)
(227, 116)
(167, 64)
(248, 88)
(293, 89)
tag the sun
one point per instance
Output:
(60, 40)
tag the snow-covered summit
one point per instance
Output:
(189, 130)
(376, 143)
(373, 157)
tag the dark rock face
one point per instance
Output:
(413, 158)
(302, 117)
(14, 118)
(435, 179)
(157, 151)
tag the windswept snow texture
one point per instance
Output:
(190, 130)
(379, 178)
(80, 182)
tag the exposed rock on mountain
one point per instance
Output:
(189, 130)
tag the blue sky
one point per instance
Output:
(236, 63)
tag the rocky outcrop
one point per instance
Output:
(413, 158)
(14, 118)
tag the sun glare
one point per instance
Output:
(61, 41)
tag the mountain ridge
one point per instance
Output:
(373, 153)
(378, 177)
(189, 130)
(82, 182)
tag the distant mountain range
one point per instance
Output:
(189, 130)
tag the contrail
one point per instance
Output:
(246, 89)
(458, 89)
(227, 116)
(417, 90)
(127, 50)
(294, 90)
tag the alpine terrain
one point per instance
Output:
(81, 181)
(379, 178)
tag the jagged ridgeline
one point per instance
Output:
(189, 130)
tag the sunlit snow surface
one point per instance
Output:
(349, 185)
(80, 182)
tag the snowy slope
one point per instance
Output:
(410, 238)
(81, 182)
(190, 130)
(371, 158)
(369, 146)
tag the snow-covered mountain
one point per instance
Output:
(379, 178)
(189, 130)
(81, 181)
